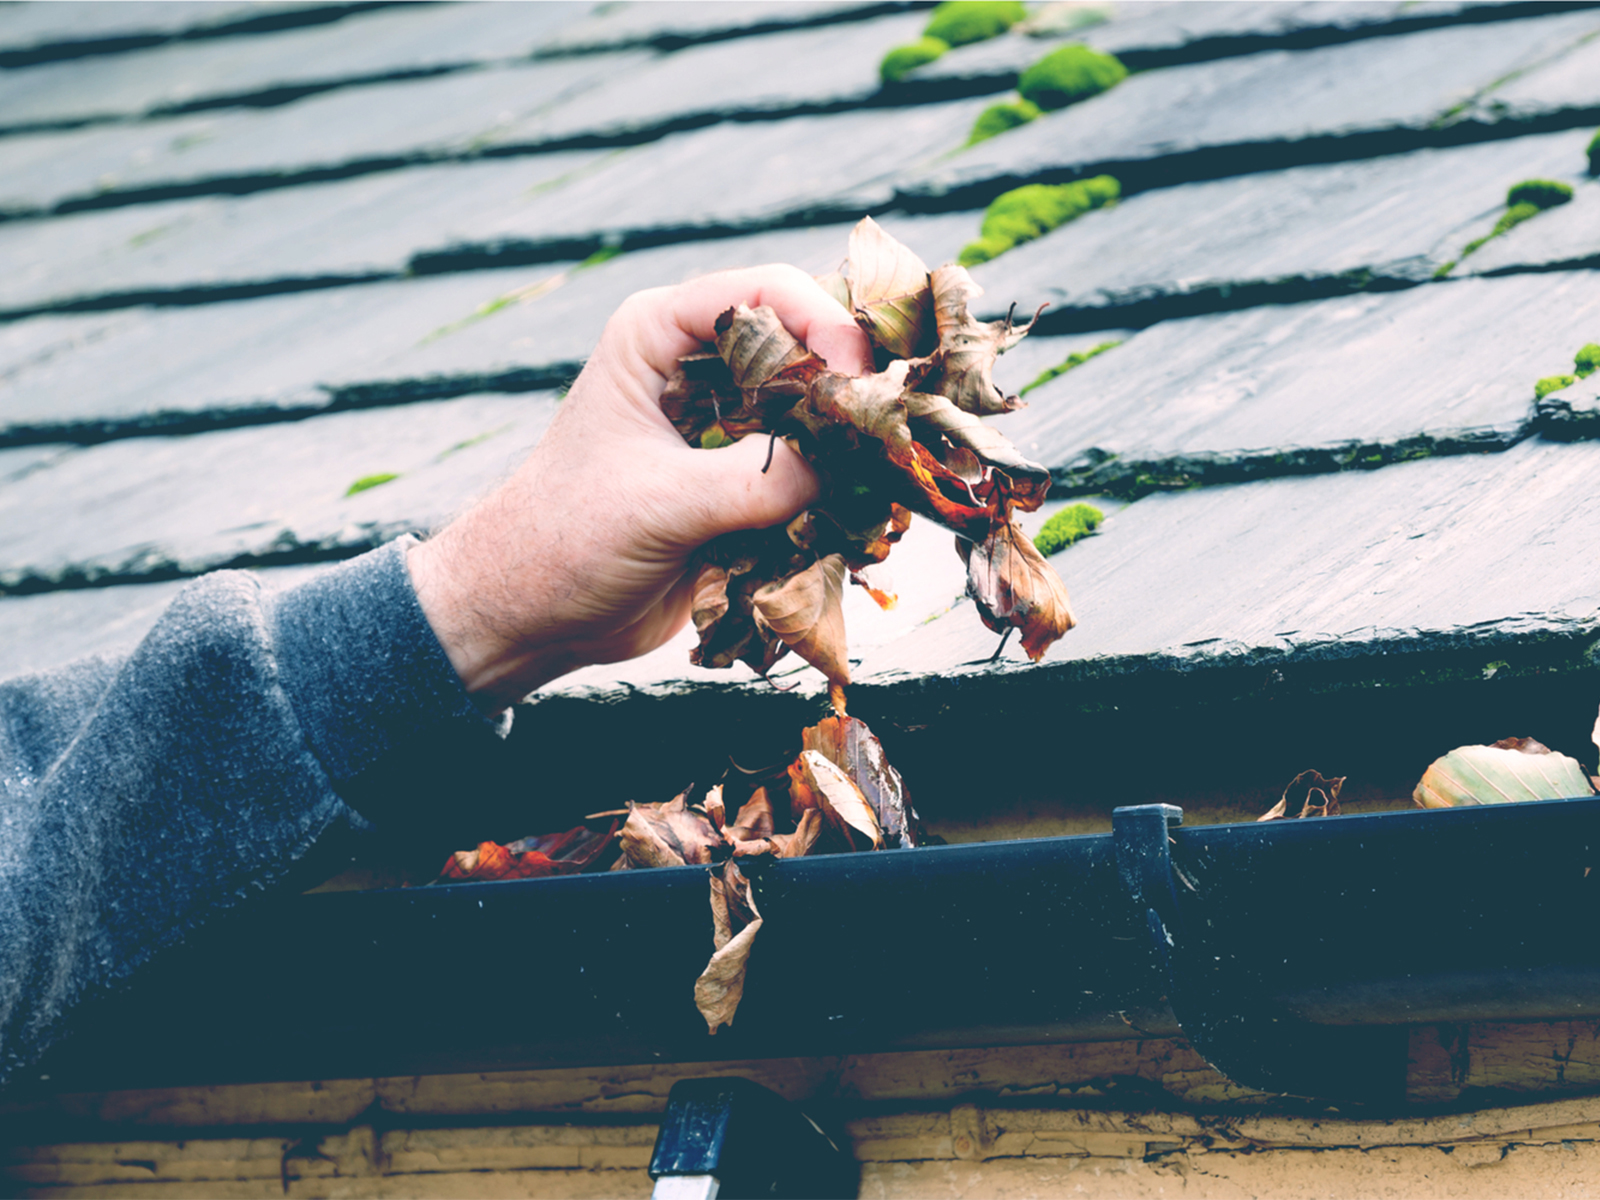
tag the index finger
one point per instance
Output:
(808, 312)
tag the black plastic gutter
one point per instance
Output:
(1291, 954)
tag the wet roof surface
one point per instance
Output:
(255, 253)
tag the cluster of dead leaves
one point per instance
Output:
(1510, 770)
(906, 439)
(838, 795)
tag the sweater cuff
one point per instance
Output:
(361, 664)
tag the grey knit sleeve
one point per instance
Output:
(140, 797)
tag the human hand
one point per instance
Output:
(581, 556)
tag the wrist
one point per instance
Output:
(496, 666)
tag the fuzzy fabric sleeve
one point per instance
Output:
(140, 797)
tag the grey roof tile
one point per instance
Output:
(33, 28)
(47, 630)
(1571, 80)
(1437, 552)
(1318, 386)
(1147, 34)
(158, 507)
(678, 22)
(1568, 235)
(1280, 235)
(721, 179)
(355, 229)
(342, 133)
(1261, 103)
(589, 99)
(388, 42)
(85, 376)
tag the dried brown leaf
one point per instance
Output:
(837, 286)
(799, 843)
(716, 810)
(1029, 482)
(721, 985)
(805, 610)
(755, 819)
(836, 795)
(888, 289)
(668, 835)
(962, 367)
(1311, 793)
(1014, 586)
(763, 356)
(850, 745)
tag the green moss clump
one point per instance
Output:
(370, 481)
(962, 22)
(998, 118)
(1076, 359)
(1025, 213)
(1070, 74)
(1594, 154)
(1541, 193)
(1552, 383)
(1067, 526)
(903, 60)
(1587, 360)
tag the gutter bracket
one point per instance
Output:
(1222, 1010)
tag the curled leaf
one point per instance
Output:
(1014, 586)
(668, 835)
(962, 368)
(806, 611)
(1511, 770)
(815, 782)
(837, 286)
(762, 355)
(850, 745)
(721, 985)
(755, 819)
(799, 843)
(888, 289)
(1029, 482)
(1314, 795)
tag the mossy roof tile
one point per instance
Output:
(1390, 91)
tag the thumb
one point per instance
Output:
(735, 493)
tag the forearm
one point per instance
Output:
(143, 797)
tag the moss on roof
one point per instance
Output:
(998, 118)
(962, 22)
(1025, 213)
(1070, 74)
(902, 60)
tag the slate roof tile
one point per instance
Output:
(1354, 381)
(611, 97)
(1147, 35)
(1284, 235)
(380, 44)
(46, 630)
(1566, 236)
(86, 376)
(45, 32)
(336, 135)
(669, 24)
(1472, 548)
(1270, 109)
(1360, 565)
(155, 507)
(484, 213)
